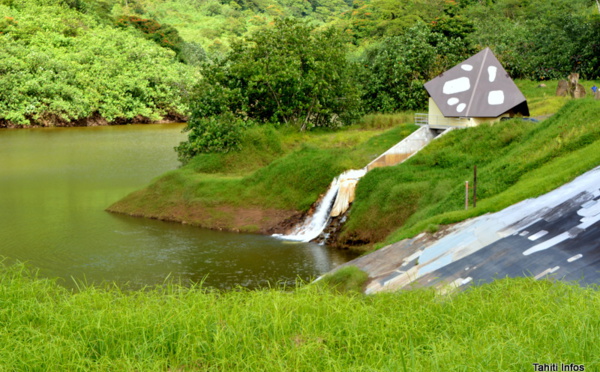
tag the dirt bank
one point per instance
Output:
(221, 217)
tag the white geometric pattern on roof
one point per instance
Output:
(477, 87)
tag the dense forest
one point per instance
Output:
(230, 64)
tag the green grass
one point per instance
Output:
(543, 101)
(345, 280)
(385, 121)
(281, 170)
(515, 160)
(503, 326)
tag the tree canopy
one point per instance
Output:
(60, 66)
(317, 63)
(288, 74)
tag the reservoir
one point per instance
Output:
(56, 182)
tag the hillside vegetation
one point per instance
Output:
(503, 326)
(60, 66)
(90, 62)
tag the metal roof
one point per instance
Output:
(477, 87)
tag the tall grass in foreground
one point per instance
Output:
(503, 326)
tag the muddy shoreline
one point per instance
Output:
(241, 220)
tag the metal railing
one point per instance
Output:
(439, 121)
(422, 119)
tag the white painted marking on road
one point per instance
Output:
(575, 258)
(547, 244)
(589, 204)
(461, 107)
(591, 211)
(469, 279)
(546, 272)
(537, 235)
(524, 233)
(466, 67)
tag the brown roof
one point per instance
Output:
(477, 87)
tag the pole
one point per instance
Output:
(466, 194)
(474, 186)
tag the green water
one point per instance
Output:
(56, 182)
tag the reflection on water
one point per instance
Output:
(55, 184)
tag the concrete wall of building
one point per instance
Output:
(438, 120)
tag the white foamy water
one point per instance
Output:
(314, 224)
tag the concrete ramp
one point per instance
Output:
(343, 188)
(395, 155)
(406, 148)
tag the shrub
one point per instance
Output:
(213, 134)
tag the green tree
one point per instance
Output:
(289, 73)
(538, 39)
(397, 67)
(218, 133)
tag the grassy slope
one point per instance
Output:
(275, 175)
(504, 326)
(278, 173)
(515, 160)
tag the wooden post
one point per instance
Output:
(474, 186)
(466, 194)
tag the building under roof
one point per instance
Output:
(475, 91)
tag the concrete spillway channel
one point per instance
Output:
(554, 235)
(340, 195)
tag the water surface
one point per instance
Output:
(56, 182)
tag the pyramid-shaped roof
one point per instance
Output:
(477, 87)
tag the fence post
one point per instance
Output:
(474, 186)
(466, 195)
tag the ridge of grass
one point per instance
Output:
(503, 326)
(279, 170)
(277, 174)
(515, 160)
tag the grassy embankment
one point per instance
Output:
(276, 175)
(515, 160)
(503, 326)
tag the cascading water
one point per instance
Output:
(342, 187)
(314, 224)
